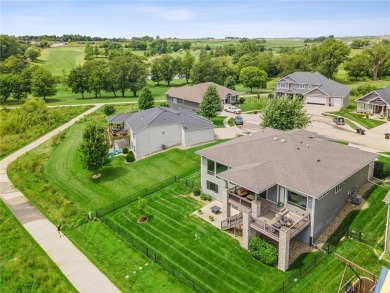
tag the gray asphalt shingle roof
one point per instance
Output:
(384, 94)
(296, 159)
(328, 86)
(161, 116)
(196, 92)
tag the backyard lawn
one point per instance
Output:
(213, 259)
(24, 266)
(218, 121)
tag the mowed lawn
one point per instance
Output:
(61, 59)
(24, 266)
(213, 259)
(119, 180)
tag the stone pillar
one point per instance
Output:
(225, 203)
(256, 208)
(246, 233)
(284, 249)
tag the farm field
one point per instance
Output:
(213, 259)
(24, 266)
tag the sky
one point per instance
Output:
(196, 19)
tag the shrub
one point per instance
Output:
(263, 251)
(130, 157)
(381, 169)
(271, 96)
(196, 191)
(109, 110)
(125, 151)
(205, 197)
(242, 100)
(363, 89)
(164, 104)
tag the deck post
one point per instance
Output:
(284, 249)
(256, 208)
(246, 233)
(225, 203)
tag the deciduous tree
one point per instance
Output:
(94, 148)
(377, 56)
(211, 102)
(284, 113)
(252, 77)
(43, 83)
(78, 81)
(357, 66)
(187, 65)
(33, 53)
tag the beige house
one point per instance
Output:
(190, 96)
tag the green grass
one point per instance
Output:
(384, 159)
(212, 258)
(231, 122)
(339, 141)
(117, 260)
(118, 180)
(13, 139)
(24, 266)
(218, 121)
(61, 59)
(358, 118)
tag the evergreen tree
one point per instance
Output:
(211, 103)
(145, 100)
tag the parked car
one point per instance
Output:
(238, 120)
(232, 109)
(339, 120)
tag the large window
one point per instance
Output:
(297, 200)
(210, 167)
(212, 186)
(337, 188)
(221, 168)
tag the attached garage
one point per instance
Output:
(336, 102)
(316, 100)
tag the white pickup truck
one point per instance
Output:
(232, 109)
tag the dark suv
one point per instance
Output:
(238, 120)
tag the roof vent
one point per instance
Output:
(283, 140)
(142, 117)
(301, 141)
(298, 149)
(318, 160)
(275, 138)
(307, 145)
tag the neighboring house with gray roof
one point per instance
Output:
(285, 184)
(158, 128)
(190, 96)
(314, 88)
(375, 102)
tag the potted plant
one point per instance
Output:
(387, 135)
(211, 218)
(199, 211)
(279, 204)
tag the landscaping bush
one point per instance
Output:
(381, 169)
(125, 151)
(109, 110)
(164, 104)
(196, 191)
(242, 100)
(206, 197)
(271, 96)
(263, 251)
(130, 157)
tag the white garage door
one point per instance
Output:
(336, 102)
(316, 100)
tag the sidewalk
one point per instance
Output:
(84, 276)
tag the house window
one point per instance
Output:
(174, 100)
(301, 86)
(212, 186)
(282, 85)
(297, 200)
(220, 168)
(210, 167)
(263, 194)
(337, 188)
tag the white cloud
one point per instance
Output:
(173, 14)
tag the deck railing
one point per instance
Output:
(240, 200)
(231, 222)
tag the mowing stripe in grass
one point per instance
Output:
(197, 260)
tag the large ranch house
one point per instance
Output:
(314, 88)
(190, 96)
(282, 185)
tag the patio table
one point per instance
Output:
(215, 210)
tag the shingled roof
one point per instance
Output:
(317, 80)
(296, 159)
(196, 92)
(162, 116)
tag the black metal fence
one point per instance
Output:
(300, 272)
(147, 191)
(164, 262)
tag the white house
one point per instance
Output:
(156, 129)
(314, 88)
